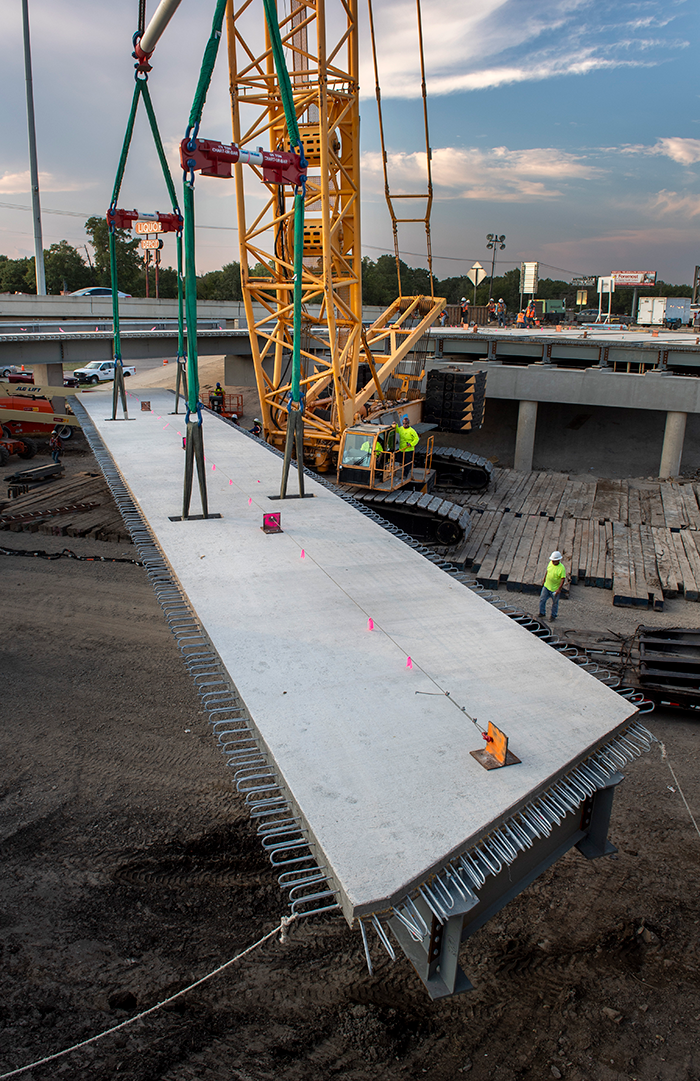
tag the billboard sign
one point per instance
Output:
(529, 278)
(634, 277)
(584, 283)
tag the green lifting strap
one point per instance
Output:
(194, 444)
(141, 90)
(208, 61)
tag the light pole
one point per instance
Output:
(495, 242)
(33, 167)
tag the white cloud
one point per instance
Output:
(505, 41)
(16, 183)
(665, 204)
(684, 151)
(681, 150)
(498, 174)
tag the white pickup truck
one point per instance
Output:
(97, 371)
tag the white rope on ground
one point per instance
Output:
(281, 927)
(664, 758)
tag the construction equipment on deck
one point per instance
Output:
(396, 486)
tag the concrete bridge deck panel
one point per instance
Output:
(381, 775)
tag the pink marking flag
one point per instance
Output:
(409, 663)
(370, 624)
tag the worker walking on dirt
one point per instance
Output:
(552, 585)
(56, 444)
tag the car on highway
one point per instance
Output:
(590, 315)
(7, 370)
(98, 371)
(97, 291)
(18, 376)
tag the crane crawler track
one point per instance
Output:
(425, 516)
(458, 469)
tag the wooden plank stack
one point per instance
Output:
(640, 540)
(77, 506)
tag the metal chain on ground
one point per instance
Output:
(66, 553)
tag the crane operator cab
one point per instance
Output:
(369, 456)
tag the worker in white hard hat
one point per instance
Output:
(501, 311)
(257, 427)
(554, 579)
(465, 310)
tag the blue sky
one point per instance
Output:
(572, 126)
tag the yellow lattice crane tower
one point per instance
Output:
(321, 48)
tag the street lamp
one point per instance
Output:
(495, 242)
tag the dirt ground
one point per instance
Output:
(130, 870)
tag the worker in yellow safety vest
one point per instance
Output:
(408, 436)
(554, 579)
(367, 447)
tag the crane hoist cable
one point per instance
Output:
(114, 217)
(295, 412)
(395, 218)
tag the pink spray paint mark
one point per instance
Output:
(370, 624)
(258, 482)
(213, 468)
(250, 501)
(166, 425)
(303, 554)
(409, 663)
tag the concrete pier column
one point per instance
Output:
(672, 450)
(525, 436)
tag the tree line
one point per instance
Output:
(66, 270)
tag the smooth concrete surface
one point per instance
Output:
(588, 386)
(672, 450)
(381, 774)
(525, 436)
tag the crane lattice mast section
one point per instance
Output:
(321, 47)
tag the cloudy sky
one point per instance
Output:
(571, 126)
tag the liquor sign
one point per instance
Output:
(143, 227)
(152, 242)
(584, 283)
(634, 277)
(529, 278)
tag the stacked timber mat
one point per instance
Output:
(639, 539)
(455, 401)
(76, 506)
